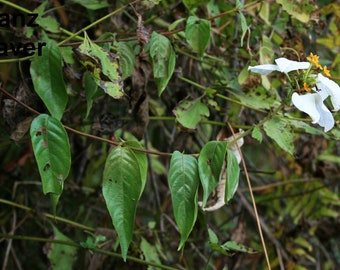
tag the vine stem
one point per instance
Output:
(50, 216)
(74, 244)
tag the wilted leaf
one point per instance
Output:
(52, 152)
(183, 183)
(210, 163)
(103, 65)
(190, 113)
(21, 129)
(296, 9)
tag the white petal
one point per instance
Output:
(312, 104)
(332, 88)
(306, 103)
(263, 69)
(286, 65)
(326, 118)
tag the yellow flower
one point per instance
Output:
(314, 59)
(326, 71)
(306, 86)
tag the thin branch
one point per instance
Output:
(253, 201)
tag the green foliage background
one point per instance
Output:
(183, 67)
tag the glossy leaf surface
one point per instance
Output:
(52, 152)
(183, 182)
(122, 188)
(48, 80)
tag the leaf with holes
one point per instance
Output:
(210, 163)
(62, 256)
(122, 188)
(183, 182)
(52, 152)
(163, 60)
(197, 34)
(281, 132)
(234, 246)
(103, 65)
(190, 113)
(48, 81)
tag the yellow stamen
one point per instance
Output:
(314, 59)
(326, 71)
(306, 87)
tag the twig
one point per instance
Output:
(253, 202)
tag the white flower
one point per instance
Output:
(312, 104)
(331, 88)
(282, 64)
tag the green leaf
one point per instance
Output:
(48, 79)
(220, 249)
(244, 26)
(197, 34)
(190, 113)
(306, 127)
(212, 236)
(122, 187)
(256, 134)
(233, 174)
(61, 256)
(92, 4)
(103, 66)
(52, 152)
(141, 159)
(259, 98)
(183, 182)
(90, 90)
(163, 60)
(47, 22)
(190, 4)
(127, 58)
(210, 163)
(281, 132)
(149, 252)
(233, 246)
